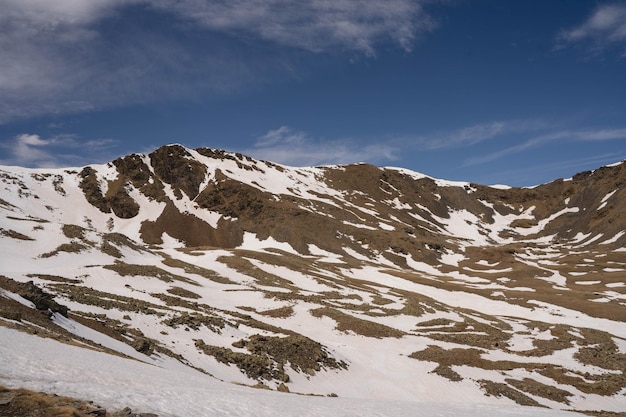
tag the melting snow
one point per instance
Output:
(614, 238)
(386, 226)
(17, 298)
(605, 199)
(251, 242)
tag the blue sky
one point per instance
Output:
(508, 92)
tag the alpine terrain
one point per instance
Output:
(175, 282)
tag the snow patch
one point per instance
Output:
(251, 242)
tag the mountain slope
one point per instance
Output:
(354, 280)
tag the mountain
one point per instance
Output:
(356, 281)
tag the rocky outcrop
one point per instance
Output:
(27, 403)
(42, 300)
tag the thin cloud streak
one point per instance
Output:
(475, 134)
(282, 136)
(464, 137)
(580, 135)
(295, 148)
(546, 170)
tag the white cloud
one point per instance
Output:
(62, 56)
(287, 146)
(605, 27)
(30, 150)
(27, 151)
(30, 140)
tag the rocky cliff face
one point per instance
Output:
(245, 260)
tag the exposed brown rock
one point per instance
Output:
(190, 229)
(173, 165)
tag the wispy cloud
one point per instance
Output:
(604, 28)
(67, 56)
(475, 134)
(524, 176)
(463, 137)
(294, 147)
(592, 161)
(63, 57)
(283, 136)
(33, 151)
(537, 141)
(317, 26)
(291, 147)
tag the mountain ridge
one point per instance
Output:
(225, 264)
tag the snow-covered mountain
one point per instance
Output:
(200, 271)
